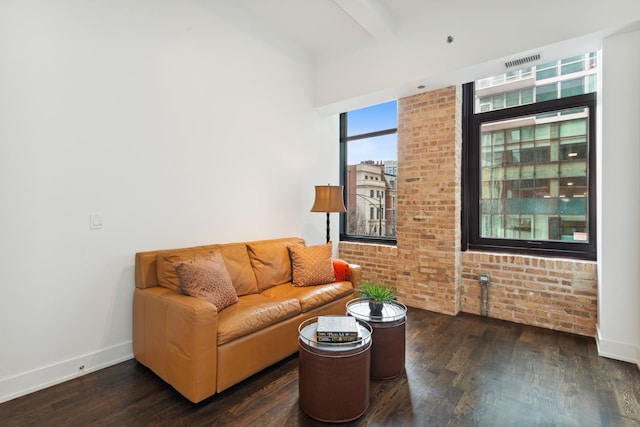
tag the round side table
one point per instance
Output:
(333, 377)
(388, 349)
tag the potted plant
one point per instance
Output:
(377, 295)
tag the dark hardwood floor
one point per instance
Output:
(460, 371)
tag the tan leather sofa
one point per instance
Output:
(200, 351)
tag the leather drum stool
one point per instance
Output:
(333, 377)
(388, 349)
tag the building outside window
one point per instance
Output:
(368, 142)
(530, 160)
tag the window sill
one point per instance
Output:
(389, 241)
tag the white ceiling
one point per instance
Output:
(325, 29)
(389, 47)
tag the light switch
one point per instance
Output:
(95, 221)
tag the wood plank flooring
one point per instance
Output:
(460, 371)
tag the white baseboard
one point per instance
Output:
(617, 350)
(38, 379)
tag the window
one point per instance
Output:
(368, 153)
(529, 178)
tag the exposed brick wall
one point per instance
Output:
(557, 294)
(378, 262)
(428, 198)
(428, 268)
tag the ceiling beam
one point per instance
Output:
(371, 15)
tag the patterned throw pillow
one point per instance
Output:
(311, 265)
(207, 278)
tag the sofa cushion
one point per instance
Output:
(166, 264)
(207, 278)
(311, 265)
(253, 313)
(271, 262)
(235, 257)
(310, 297)
(238, 265)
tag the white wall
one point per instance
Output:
(179, 128)
(619, 238)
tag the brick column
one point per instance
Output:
(428, 251)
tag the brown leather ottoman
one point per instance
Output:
(333, 377)
(388, 336)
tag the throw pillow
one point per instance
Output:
(341, 269)
(207, 278)
(311, 265)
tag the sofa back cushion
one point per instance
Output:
(235, 258)
(167, 260)
(271, 261)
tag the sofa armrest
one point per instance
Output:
(355, 275)
(175, 336)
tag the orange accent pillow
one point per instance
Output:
(207, 278)
(341, 270)
(311, 265)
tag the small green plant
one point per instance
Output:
(377, 292)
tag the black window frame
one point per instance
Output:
(470, 218)
(344, 139)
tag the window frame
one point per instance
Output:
(344, 139)
(471, 155)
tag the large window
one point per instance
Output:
(369, 164)
(529, 154)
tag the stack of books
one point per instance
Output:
(337, 329)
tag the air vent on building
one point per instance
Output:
(522, 61)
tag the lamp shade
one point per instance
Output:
(328, 199)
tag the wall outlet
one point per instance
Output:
(484, 279)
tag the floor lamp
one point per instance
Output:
(328, 199)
